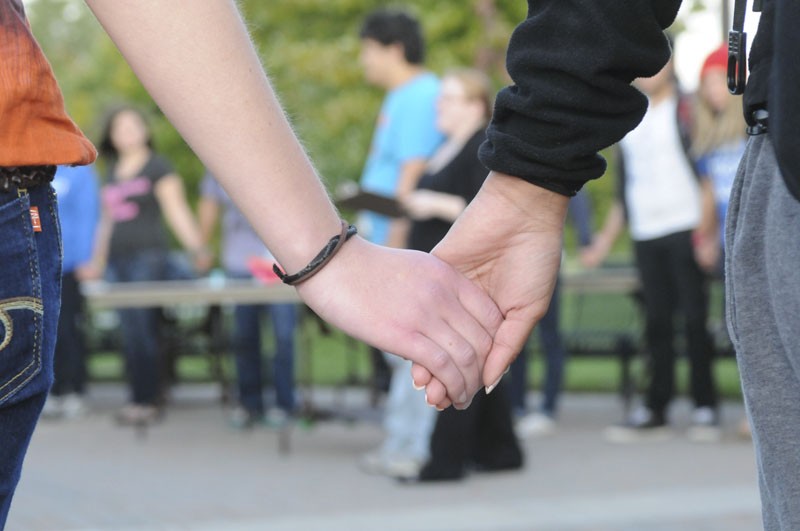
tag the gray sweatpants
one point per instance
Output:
(763, 288)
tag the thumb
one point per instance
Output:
(508, 342)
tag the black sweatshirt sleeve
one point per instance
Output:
(572, 62)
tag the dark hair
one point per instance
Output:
(106, 146)
(396, 27)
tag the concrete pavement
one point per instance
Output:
(192, 472)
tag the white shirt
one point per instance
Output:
(661, 191)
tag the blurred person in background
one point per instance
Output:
(480, 437)
(542, 421)
(718, 143)
(240, 246)
(223, 104)
(661, 198)
(79, 211)
(141, 190)
(392, 56)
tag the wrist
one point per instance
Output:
(325, 255)
(538, 205)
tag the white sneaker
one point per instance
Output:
(397, 466)
(535, 425)
(642, 425)
(53, 408)
(705, 426)
(277, 418)
(74, 406)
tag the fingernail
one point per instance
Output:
(417, 387)
(439, 408)
(463, 398)
(491, 387)
(465, 405)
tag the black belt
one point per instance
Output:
(25, 176)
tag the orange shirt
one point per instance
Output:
(34, 127)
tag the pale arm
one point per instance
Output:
(410, 172)
(207, 215)
(427, 204)
(196, 60)
(593, 255)
(705, 238)
(172, 200)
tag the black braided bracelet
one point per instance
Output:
(324, 256)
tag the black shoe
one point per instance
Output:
(642, 426)
(432, 472)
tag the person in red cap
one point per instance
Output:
(718, 145)
(718, 139)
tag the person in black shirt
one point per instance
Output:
(572, 64)
(141, 190)
(482, 436)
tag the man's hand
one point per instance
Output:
(410, 304)
(509, 242)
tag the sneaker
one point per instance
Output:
(643, 425)
(137, 415)
(242, 419)
(535, 425)
(396, 466)
(403, 468)
(73, 406)
(53, 408)
(705, 426)
(277, 418)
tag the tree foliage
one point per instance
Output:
(310, 48)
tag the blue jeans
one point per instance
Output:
(247, 347)
(140, 327)
(30, 285)
(555, 357)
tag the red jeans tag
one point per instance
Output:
(36, 221)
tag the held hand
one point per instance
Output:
(509, 242)
(592, 256)
(421, 205)
(410, 304)
(707, 251)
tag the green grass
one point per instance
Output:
(335, 361)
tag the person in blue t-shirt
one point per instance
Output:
(392, 55)
(240, 245)
(79, 212)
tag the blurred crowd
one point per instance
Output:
(675, 172)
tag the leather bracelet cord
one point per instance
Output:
(319, 261)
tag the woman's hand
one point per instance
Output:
(420, 205)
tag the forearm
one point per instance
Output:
(410, 172)
(449, 206)
(196, 60)
(207, 214)
(708, 215)
(612, 227)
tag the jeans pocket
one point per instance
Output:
(21, 306)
